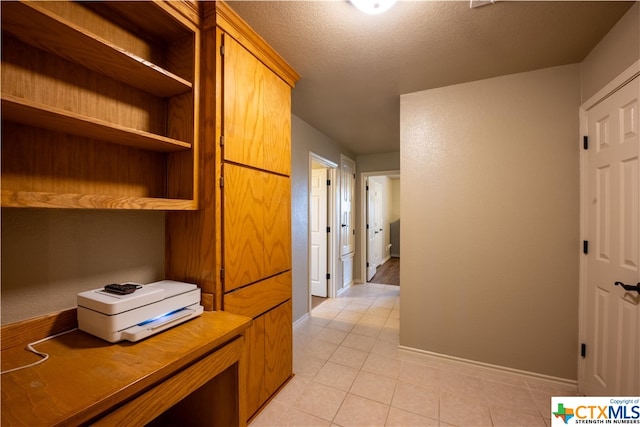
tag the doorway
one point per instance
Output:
(380, 219)
(321, 229)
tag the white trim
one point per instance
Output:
(332, 219)
(301, 319)
(488, 367)
(625, 77)
(582, 272)
(344, 289)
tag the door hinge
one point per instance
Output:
(585, 142)
(367, 188)
(367, 264)
(583, 350)
(354, 176)
(222, 50)
(328, 276)
(328, 182)
(328, 229)
(367, 226)
(585, 246)
(221, 140)
(221, 181)
(354, 231)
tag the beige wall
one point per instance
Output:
(395, 201)
(50, 255)
(619, 49)
(490, 194)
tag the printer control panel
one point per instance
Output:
(122, 289)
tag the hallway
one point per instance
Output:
(350, 372)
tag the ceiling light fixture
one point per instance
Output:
(373, 7)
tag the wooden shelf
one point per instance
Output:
(99, 106)
(31, 113)
(42, 29)
(35, 199)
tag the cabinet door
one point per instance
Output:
(255, 354)
(257, 112)
(243, 124)
(257, 225)
(278, 346)
(277, 125)
(277, 224)
(243, 219)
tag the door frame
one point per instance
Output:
(363, 216)
(625, 77)
(332, 217)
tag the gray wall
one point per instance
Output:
(50, 255)
(490, 190)
(304, 140)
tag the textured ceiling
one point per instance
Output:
(354, 66)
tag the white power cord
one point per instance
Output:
(44, 356)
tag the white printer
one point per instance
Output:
(147, 310)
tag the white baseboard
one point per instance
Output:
(344, 288)
(489, 368)
(301, 319)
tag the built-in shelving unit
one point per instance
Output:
(99, 106)
(32, 113)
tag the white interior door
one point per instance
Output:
(318, 249)
(375, 238)
(347, 189)
(371, 262)
(612, 198)
(378, 224)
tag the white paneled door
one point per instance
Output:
(611, 193)
(374, 227)
(347, 191)
(318, 206)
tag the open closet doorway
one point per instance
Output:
(380, 209)
(322, 239)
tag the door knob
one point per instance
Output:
(629, 287)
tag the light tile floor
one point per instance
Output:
(349, 372)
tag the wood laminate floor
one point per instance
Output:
(388, 273)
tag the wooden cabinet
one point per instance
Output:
(187, 375)
(178, 106)
(238, 244)
(100, 104)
